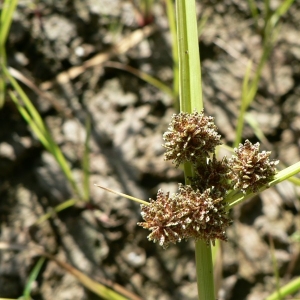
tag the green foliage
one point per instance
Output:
(8, 8)
(32, 277)
(292, 287)
(186, 86)
(173, 32)
(34, 120)
(269, 33)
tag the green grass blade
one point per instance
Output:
(123, 195)
(295, 237)
(280, 11)
(32, 116)
(30, 121)
(32, 277)
(256, 128)
(29, 106)
(8, 8)
(202, 24)
(245, 86)
(254, 84)
(250, 90)
(244, 106)
(288, 289)
(142, 75)
(55, 210)
(266, 11)
(295, 180)
(286, 173)
(275, 266)
(155, 82)
(254, 12)
(172, 25)
(47, 141)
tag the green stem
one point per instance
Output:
(172, 24)
(205, 274)
(190, 97)
(190, 89)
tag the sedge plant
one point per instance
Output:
(199, 210)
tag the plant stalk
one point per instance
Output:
(190, 98)
(205, 272)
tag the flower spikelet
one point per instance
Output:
(212, 173)
(207, 217)
(250, 168)
(186, 214)
(190, 137)
(162, 217)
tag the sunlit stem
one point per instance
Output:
(123, 195)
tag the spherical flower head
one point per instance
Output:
(190, 137)
(186, 214)
(212, 173)
(162, 218)
(207, 216)
(250, 168)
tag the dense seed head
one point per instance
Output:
(190, 137)
(251, 169)
(186, 214)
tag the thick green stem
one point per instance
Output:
(205, 275)
(190, 97)
(190, 89)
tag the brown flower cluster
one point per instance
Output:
(250, 170)
(212, 173)
(190, 137)
(186, 214)
(198, 210)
